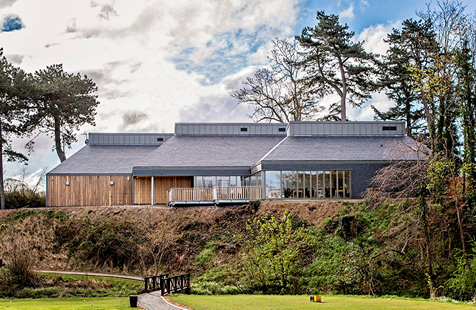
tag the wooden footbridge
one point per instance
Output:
(168, 285)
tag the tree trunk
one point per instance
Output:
(2, 189)
(344, 91)
(58, 146)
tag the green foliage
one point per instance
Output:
(65, 102)
(328, 48)
(438, 173)
(274, 254)
(218, 281)
(102, 240)
(462, 284)
(204, 258)
(24, 199)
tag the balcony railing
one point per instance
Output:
(215, 195)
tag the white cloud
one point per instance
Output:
(363, 4)
(366, 113)
(156, 62)
(374, 37)
(348, 13)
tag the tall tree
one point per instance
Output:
(65, 102)
(452, 26)
(336, 64)
(16, 112)
(414, 46)
(466, 91)
(277, 93)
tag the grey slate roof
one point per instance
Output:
(96, 159)
(210, 151)
(344, 148)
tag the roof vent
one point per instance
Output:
(243, 129)
(282, 129)
(389, 128)
(160, 139)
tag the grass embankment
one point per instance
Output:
(335, 302)
(67, 303)
(64, 285)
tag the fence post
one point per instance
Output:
(145, 282)
(162, 286)
(188, 284)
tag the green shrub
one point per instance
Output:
(102, 241)
(274, 254)
(462, 285)
(204, 258)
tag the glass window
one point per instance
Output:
(223, 181)
(340, 184)
(307, 184)
(327, 184)
(198, 181)
(273, 184)
(209, 182)
(300, 184)
(258, 179)
(347, 184)
(289, 184)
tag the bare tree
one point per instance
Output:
(278, 93)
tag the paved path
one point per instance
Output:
(153, 301)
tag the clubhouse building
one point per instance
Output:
(229, 163)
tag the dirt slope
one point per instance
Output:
(312, 211)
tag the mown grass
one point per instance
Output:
(67, 303)
(334, 302)
(116, 286)
(64, 285)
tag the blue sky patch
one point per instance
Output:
(12, 23)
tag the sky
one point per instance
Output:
(158, 62)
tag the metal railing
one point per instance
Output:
(214, 195)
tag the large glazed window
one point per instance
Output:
(289, 179)
(220, 181)
(308, 184)
(273, 184)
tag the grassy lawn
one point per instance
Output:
(265, 302)
(66, 303)
(114, 287)
(63, 285)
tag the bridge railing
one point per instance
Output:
(168, 285)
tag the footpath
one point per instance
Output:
(146, 301)
(154, 301)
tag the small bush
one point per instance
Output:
(204, 258)
(19, 195)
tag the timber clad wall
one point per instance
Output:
(161, 186)
(142, 190)
(88, 190)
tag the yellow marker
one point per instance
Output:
(317, 298)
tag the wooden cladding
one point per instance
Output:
(161, 186)
(142, 190)
(88, 190)
(96, 190)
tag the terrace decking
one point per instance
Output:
(215, 195)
